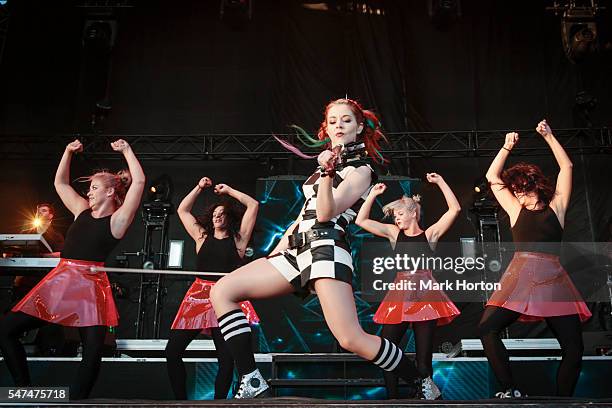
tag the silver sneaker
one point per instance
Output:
(509, 393)
(251, 385)
(428, 389)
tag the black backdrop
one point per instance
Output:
(176, 69)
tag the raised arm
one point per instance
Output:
(123, 216)
(363, 220)
(248, 219)
(71, 199)
(504, 197)
(193, 228)
(563, 189)
(435, 231)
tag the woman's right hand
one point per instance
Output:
(511, 139)
(74, 147)
(327, 159)
(378, 189)
(204, 182)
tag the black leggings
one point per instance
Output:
(175, 350)
(423, 337)
(567, 330)
(14, 324)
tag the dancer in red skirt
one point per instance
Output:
(535, 286)
(71, 294)
(221, 238)
(423, 309)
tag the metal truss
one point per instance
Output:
(404, 145)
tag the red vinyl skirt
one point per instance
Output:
(196, 311)
(536, 285)
(72, 295)
(416, 305)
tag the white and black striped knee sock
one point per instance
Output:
(237, 335)
(391, 358)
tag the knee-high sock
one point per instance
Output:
(391, 358)
(237, 334)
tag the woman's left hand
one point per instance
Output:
(543, 128)
(120, 145)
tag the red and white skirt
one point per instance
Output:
(537, 286)
(416, 305)
(196, 310)
(72, 295)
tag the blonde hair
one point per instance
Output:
(406, 203)
(119, 181)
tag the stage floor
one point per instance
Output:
(294, 402)
(325, 380)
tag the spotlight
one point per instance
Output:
(36, 222)
(578, 28)
(481, 185)
(584, 105)
(585, 101)
(579, 39)
(100, 33)
(160, 189)
(483, 199)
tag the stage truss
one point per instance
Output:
(217, 146)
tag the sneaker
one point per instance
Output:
(510, 393)
(251, 386)
(427, 389)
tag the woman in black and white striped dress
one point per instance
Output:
(313, 255)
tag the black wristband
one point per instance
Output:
(324, 173)
(505, 148)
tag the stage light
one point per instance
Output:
(481, 185)
(100, 33)
(160, 189)
(36, 222)
(483, 199)
(584, 105)
(578, 28)
(579, 39)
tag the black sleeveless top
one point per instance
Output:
(217, 255)
(89, 238)
(418, 244)
(533, 226)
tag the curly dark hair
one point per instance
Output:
(528, 178)
(233, 212)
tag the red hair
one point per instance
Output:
(371, 132)
(528, 178)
